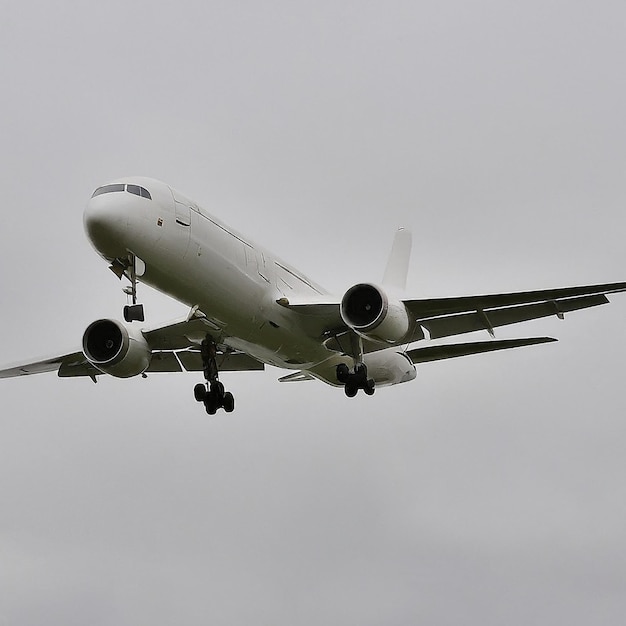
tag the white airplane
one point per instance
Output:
(248, 308)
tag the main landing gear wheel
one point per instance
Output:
(351, 390)
(343, 373)
(355, 380)
(228, 402)
(199, 392)
(212, 393)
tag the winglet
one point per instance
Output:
(398, 263)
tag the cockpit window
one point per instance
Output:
(107, 189)
(139, 191)
(134, 189)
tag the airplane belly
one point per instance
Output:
(386, 367)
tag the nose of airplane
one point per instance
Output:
(105, 223)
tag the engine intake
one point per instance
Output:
(115, 349)
(368, 310)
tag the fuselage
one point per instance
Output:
(198, 260)
(194, 257)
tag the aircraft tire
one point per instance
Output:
(370, 387)
(211, 403)
(199, 392)
(343, 373)
(229, 402)
(351, 390)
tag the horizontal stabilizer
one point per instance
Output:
(437, 353)
(296, 377)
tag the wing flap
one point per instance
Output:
(226, 362)
(452, 351)
(164, 362)
(78, 366)
(296, 377)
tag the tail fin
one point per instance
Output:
(398, 263)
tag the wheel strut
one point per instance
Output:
(212, 393)
(133, 312)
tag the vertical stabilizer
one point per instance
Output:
(398, 263)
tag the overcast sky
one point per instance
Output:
(490, 490)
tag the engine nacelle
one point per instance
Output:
(116, 349)
(368, 310)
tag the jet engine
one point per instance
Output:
(369, 311)
(116, 349)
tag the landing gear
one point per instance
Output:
(355, 380)
(131, 267)
(212, 393)
(134, 313)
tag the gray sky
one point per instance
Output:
(489, 491)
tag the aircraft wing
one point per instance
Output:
(445, 317)
(74, 364)
(175, 348)
(180, 334)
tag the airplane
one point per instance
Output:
(248, 308)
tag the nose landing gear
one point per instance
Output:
(134, 313)
(131, 267)
(212, 393)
